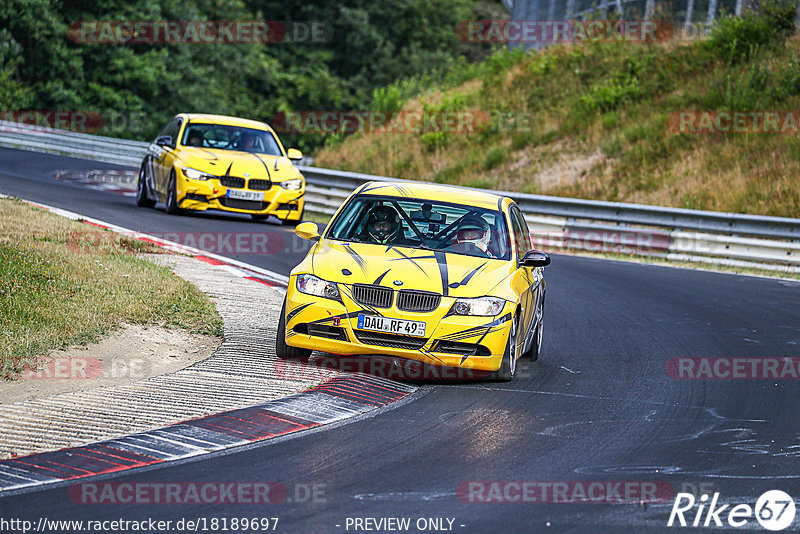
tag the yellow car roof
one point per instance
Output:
(224, 119)
(446, 193)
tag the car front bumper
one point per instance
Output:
(200, 195)
(468, 342)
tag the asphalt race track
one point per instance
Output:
(599, 406)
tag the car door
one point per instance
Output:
(527, 276)
(164, 158)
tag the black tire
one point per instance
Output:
(536, 347)
(282, 350)
(259, 218)
(142, 200)
(172, 195)
(509, 364)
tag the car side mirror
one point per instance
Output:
(294, 154)
(535, 258)
(307, 230)
(164, 140)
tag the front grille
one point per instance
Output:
(322, 330)
(390, 340)
(377, 296)
(417, 301)
(466, 349)
(235, 203)
(259, 185)
(232, 181)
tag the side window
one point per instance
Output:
(519, 241)
(165, 130)
(174, 130)
(526, 233)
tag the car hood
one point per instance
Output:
(233, 163)
(450, 274)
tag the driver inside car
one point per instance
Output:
(472, 237)
(195, 138)
(246, 142)
(383, 227)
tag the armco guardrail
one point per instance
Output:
(556, 223)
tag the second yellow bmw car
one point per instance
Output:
(200, 162)
(443, 275)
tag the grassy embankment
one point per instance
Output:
(598, 122)
(64, 283)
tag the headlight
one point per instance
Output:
(484, 306)
(292, 185)
(194, 174)
(311, 285)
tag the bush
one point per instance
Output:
(738, 39)
(494, 157)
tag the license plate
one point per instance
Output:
(392, 326)
(241, 194)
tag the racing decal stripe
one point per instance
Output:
(441, 259)
(476, 329)
(265, 167)
(356, 257)
(372, 187)
(412, 259)
(347, 291)
(291, 314)
(468, 277)
(403, 191)
(380, 278)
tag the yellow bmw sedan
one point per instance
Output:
(200, 162)
(443, 275)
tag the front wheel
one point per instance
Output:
(282, 350)
(172, 195)
(509, 364)
(142, 200)
(536, 344)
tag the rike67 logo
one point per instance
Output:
(774, 510)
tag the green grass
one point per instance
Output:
(64, 283)
(619, 99)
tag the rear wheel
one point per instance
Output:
(509, 364)
(172, 195)
(142, 199)
(282, 350)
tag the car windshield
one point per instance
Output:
(224, 137)
(420, 223)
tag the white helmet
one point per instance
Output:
(475, 231)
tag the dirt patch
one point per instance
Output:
(127, 355)
(567, 170)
